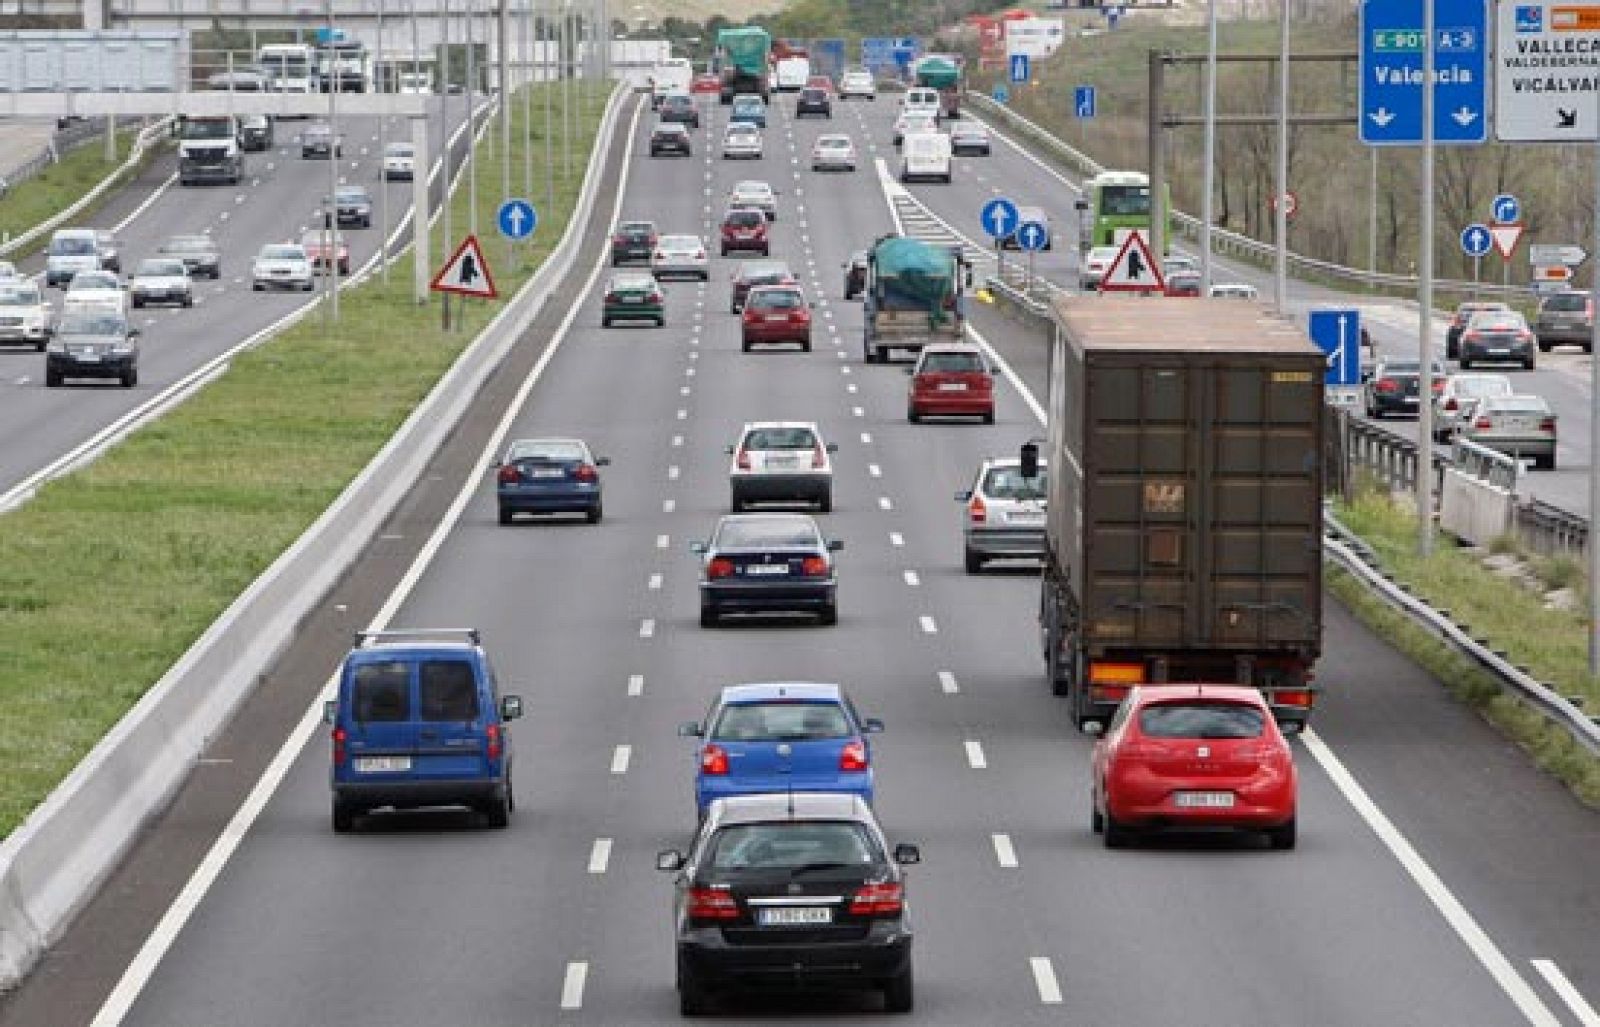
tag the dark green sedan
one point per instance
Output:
(634, 296)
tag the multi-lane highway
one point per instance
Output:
(1435, 864)
(280, 197)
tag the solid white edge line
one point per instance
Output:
(1455, 914)
(1568, 991)
(143, 966)
(1004, 852)
(975, 758)
(1044, 978)
(572, 984)
(599, 855)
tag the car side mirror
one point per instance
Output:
(602, 461)
(728, 450)
(510, 707)
(135, 332)
(835, 545)
(669, 861)
(697, 547)
(907, 854)
(911, 370)
(689, 729)
(964, 495)
(833, 447)
(872, 726)
(330, 711)
(1030, 460)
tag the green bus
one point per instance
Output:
(1120, 201)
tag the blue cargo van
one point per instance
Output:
(419, 721)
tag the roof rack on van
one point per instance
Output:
(404, 634)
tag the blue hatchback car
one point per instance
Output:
(798, 737)
(750, 109)
(547, 476)
(419, 721)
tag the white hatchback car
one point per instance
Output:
(910, 122)
(833, 153)
(1003, 516)
(399, 162)
(759, 195)
(742, 141)
(680, 255)
(858, 83)
(100, 290)
(781, 461)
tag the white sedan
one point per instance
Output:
(833, 153)
(161, 280)
(910, 122)
(95, 290)
(399, 162)
(282, 266)
(680, 255)
(742, 141)
(755, 194)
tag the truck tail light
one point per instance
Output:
(712, 904)
(853, 756)
(1299, 697)
(1451, 404)
(713, 760)
(1547, 424)
(884, 899)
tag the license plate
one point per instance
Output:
(633, 299)
(1411, 401)
(767, 569)
(1025, 518)
(546, 472)
(782, 463)
(786, 916)
(1499, 351)
(1203, 800)
(777, 317)
(382, 764)
(952, 386)
(87, 358)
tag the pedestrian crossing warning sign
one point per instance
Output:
(466, 273)
(1133, 270)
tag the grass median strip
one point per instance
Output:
(110, 574)
(57, 187)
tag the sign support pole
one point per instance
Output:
(1425, 301)
(1280, 260)
(1592, 542)
(1210, 159)
(1477, 272)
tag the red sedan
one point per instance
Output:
(1199, 756)
(775, 313)
(316, 248)
(821, 82)
(951, 380)
(706, 82)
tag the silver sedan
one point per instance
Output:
(680, 255)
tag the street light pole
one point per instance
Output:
(472, 135)
(1280, 276)
(383, 146)
(1209, 186)
(330, 218)
(1425, 301)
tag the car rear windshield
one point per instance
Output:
(1480, 387)
(19, 296)
(1497, 321)
(950, 363)
(283, 253)
(780, 438)
(88, 324)
(71, 247)
(1201, 720)
(745, 217)
(382, 691)
(546, 451)
(1516, 405)
(775, 299)
(1008, 483)
(447, 690)
(812, 94)
(636, 228)
(775, 533)
(161, 267)
(1567, 301)
(788, 845)
(781, 721)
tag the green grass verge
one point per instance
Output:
(59, 186)
(109, 575)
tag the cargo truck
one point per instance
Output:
(914, 296)
(743, 62)
(209, 150)
(1184, 527)
(944, 75)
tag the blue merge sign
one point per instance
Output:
(1392, 53)
(999, 217)
(1031, 235)
(1083, 100)
(1507, 209)
(1019, 67)
(1476, 240)
(517, 219)
(1338, 332)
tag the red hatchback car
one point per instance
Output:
(745, 228)
(950, 381)
(1193, 756)
(775, 313)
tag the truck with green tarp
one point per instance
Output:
(914, 296)
(944, 74)
(744, 62)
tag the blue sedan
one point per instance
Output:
(750, 110)
(791, 737)
(546, 476)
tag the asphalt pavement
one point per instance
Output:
(1435, 863)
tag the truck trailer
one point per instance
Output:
(1184, 527)
(743, 59)
(941, 73)
(914, 296)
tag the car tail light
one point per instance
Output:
(654, 297)
(1547, 424)
(713, 760)
(1470, 333)
(884, 899)
(712, 904)
(509, 474)
(976, 511)
(660, 255)
(721, 567)
(1451, 404)
(853, 756)
(586, 472)
(1483, 424)
(819, 457)
(800, 315)
(1524, 334)
(611, 297)
(620, 237)
(1438, 385)
(654, 238)
(1387, 385)
(743, 460)
(339, 737)
(814, 567)
(491, 742)
(750, 313)
(699, 254)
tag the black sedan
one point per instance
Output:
(767, 563)
(1395, 387)
(199, 254)
(93, 343)
(680, 107)
(813, 101)
(670, 137)
(855, 275)
(780, 891)
(318, 140)
(634, 240)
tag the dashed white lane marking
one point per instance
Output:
(947, 683)
(1044, 978)
(647, 628)
(654, 584)
(858, 411)
(866, 438)
(875, 470)
(672, 472)
(845, 369)
(884, 503)
(975, 758)
(912, 579)
(599, 855)
(896, 539)
(668, 505)
(620, 758)
(929, 625)
(677, 440)
(1004, 852)
(685, 390)
(683, 415)
(1568, 992)
(851, 387)
(572, 985)
(635, 684)
(663, 541)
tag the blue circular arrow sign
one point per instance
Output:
(1031, 235)
(1507, 208)
(999, 217)
(1476, 240)
(517, 219)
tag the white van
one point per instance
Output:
(791, 74)
(921, 98)
(925, 155)
(673, 75)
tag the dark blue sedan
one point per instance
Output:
(791, 737)
(548, 476)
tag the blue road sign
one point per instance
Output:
(1507, 209)
(1083, 101)
(1031, 235)
(1001, 94)
(517, 219)
(1392, 53)
(1113, 15)
(1476, 240)
(999, 217)
(904, 55)
(1338, 332)
(1019, 67)
(877, 46)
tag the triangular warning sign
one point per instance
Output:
(466, 273)
(1133, 270)
(1506, 237)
